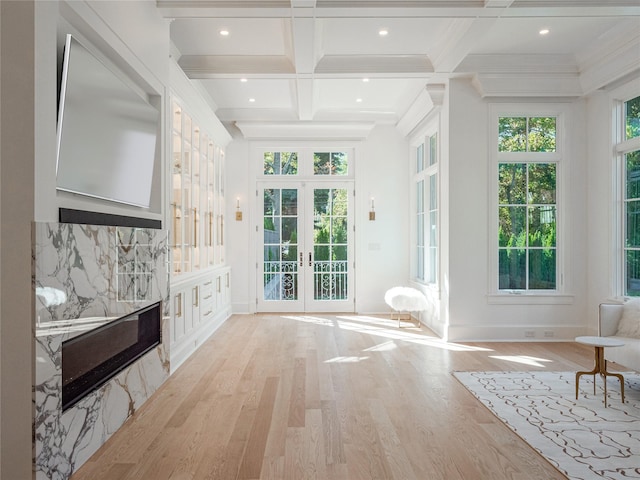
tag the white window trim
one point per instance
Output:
(305, 152)
(422, 138)
(561, 294)
(255, 174)
(620, 148)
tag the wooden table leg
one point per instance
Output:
(592, 372)
(601, 368)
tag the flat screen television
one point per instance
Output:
(106, 132)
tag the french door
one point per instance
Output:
(305, 246)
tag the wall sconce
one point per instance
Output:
(372, 213)
(238, 212)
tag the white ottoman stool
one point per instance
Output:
(405, 299)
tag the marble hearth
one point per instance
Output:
(86, 276)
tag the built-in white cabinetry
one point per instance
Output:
(200, 304)
(200, 281)
(223, 288)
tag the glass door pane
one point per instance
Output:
(331, 225)
(305, 251)
(330, 244)
(280, 285)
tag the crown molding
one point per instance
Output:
(427, 100)
(611, 59)
(508, 64)
(527, 85)
(198, 103)
(305, 130)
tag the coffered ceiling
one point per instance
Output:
(326, 60)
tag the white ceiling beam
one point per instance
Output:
(611, 67)
(369, 64)
(304, 87)
(304, 130)
(461, 37)
(304, 47)
(303, 44)
(610, 58)
(498, 3)
(303, 3)
(207, 66)
(256, 114)
(403, 9)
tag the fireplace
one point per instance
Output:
(92, 358)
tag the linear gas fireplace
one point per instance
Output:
(91, 359)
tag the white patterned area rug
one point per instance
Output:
(582, 438)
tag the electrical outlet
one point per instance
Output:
(529, 334)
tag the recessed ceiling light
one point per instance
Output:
(224, 32)
(359, 100)
(383, 32)
(365, 80)
(251, 100)
(243, 80)
(544, 31)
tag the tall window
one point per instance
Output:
(426, 211)
(527, 184)
(629, 149)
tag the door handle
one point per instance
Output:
(301, 259)
(195, 228)
(310, 264)
(177, 307)
(175, 223)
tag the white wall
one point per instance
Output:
(600, 186)
(130, 36)
(240, 234)
(473, 314)
(382, 246)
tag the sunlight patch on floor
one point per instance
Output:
(405, 335)
(523, 359)
(388, 329)
(351, 359)
(311, 319)
(382, 347)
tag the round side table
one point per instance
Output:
(599, 343)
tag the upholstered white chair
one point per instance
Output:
(405, 300)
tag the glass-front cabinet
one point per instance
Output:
(197, 196)
(219, 195)
(200, 279)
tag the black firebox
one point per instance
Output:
(92, 358)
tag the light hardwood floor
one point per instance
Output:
(329, 397)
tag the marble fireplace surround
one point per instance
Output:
(85, 276)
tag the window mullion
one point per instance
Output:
(527, 254)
